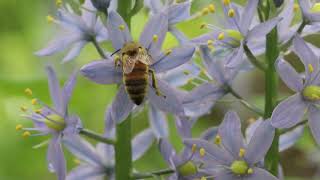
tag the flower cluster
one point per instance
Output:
(186, 82)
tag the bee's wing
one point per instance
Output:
(145, 58)
(129, 64)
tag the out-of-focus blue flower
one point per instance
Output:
(205, 95)
(291, 111)
(105, 72)
(239, 31)
(310, 11)
(55, 121)
(99, 162)
(76, 31)
(177, 12)
(101, 5)
(230, 157)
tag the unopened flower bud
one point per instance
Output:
(101, 5)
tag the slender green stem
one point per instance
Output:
(96, 136)
(99, 49)
(253, 59)
(245, 103)
(271, 86)
(152, 174)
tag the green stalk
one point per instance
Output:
(271, 85)
(123, 149)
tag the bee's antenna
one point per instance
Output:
(115, 52)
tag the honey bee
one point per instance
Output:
(135, 62)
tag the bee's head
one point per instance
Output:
(131, 49)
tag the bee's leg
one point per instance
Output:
(117, 61)
(155, 84)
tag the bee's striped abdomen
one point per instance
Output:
(136, 82)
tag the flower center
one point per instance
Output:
(236, 36)
(315, 8)
(311, 93)
(239, 167)
(187, 169)
(55, 122)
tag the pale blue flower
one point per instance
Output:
(56, 121)
(105, 72)
(231, 157)
(76, 31)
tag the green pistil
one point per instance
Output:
(55, 122)
(239, 167)
(311, 93)
(315, 8)
(236, 36)
(187, 169)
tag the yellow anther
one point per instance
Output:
(226, 2)
(205, 11)
(310, 68)
(28, 92)
(26, 134)
(155, 38)
(58, 3)
(221, 36)
(296, 7)
(242, 152)
(250, 171)
(19, 127)
(76, 161)
(202, 152)
(168, 52)
(23, 108)
(50, 19)
(212, 8)
(189, 81)
(34, 101)
(121, 27)
(231, 13)
(186, 72)
(194, 148)
(217, 139)
(203, 178)
(203, 25)
(38, 111)
(210, 42)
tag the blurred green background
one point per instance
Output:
(24, 30)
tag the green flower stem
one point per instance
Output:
(123, 149)
(245, 103)
(271, 85)
(260, 65)
(99, 49)
(152, 174)
(96, 136)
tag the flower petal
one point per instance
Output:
(209, 134)
(156, 26)
(215, 152)
(82, 150)
(288, 139)
(154, 6)
(179, 12)
(55, 158)
(307, 57)
(55, 91)
(184, 126)
(121, 106)
(141, 143)
(75, 51)
(68, 89)
(314, 123)
(180, 36)
(177, 57)
(102, 72)
(109, 124)
(158, 122)
(260, 142)
(86, 172)
(289, 112)
(236, 57)
(262, 29)
(169, 103)
(289, 75)
(167, 151)
(230, 132)
(287, 14)
(248, 15)
(225, 174)
(259, 173)
(251, 129)
(118, 30)
(106, 154)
